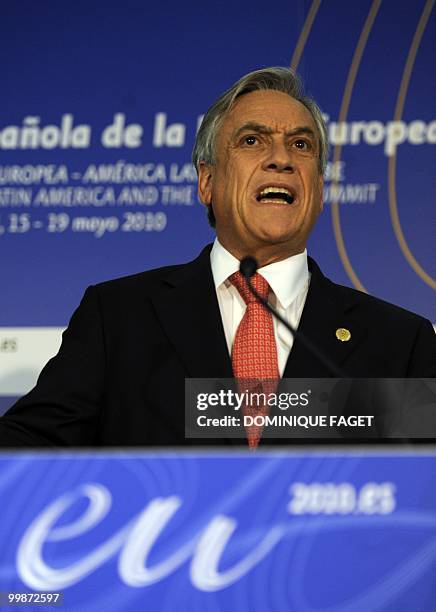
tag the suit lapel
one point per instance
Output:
(327, 309)
(189, 313)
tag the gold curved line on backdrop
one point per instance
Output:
(351, 78)
(301, 43)
(399, 107)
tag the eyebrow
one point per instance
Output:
(259, 128)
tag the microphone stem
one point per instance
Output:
(297, 335)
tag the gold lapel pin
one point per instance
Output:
(343, 334)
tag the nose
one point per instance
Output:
(279, 158)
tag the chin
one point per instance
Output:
(276, 235)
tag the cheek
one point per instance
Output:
(239, 170)
(314, 183)
(233, 180)
(320, 189)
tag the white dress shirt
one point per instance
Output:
(289, 280)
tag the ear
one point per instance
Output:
(205, 179)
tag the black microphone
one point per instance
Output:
(248, 267)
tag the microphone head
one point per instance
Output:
(248, 267)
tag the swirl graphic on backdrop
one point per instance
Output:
(337, 152)
(399, 107)
(351, 78)
(345, 104)
(304, 34)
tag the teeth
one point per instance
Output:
(275, 190)
(279, 194)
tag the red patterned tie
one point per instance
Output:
(254, 353)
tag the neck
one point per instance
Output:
(264, 255)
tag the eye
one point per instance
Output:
(302, 144)
(250, 140)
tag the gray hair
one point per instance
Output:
(275, 78)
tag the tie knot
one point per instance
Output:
(258, 282)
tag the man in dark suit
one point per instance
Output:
(119, 376)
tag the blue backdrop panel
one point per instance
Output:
(297, 531)
(81, 201)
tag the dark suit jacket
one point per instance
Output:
(118, 379)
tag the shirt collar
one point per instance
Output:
(286, 278)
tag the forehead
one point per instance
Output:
(274, 109)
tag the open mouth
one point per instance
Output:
(276, 194)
